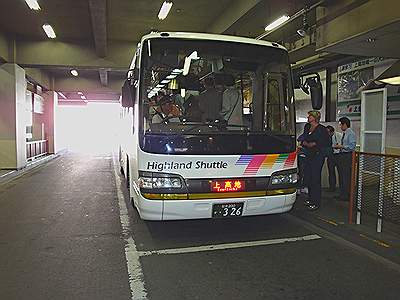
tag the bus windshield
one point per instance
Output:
(215, 88)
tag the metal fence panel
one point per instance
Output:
(377, 186)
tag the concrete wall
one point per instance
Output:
(40, 77)
(50, 118)
(12, 117)
(3, 47)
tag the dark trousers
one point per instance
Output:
(302, 161)
(344, 168)
(332, 165)
(313, 170)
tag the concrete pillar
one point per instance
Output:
(51, 107)
(13, 118)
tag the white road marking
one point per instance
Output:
(6, 174)
(135, 273)
(229, 246)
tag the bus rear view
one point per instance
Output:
(213, 128)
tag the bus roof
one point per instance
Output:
(207, 36)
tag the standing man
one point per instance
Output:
(346, 148)
(232, 110)
(331, 161)
(210, 101)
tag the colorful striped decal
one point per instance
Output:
(254, 163)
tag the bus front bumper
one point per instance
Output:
(202, 209)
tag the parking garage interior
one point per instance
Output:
(69, 228)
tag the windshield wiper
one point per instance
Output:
(222, 126)
(197, 125)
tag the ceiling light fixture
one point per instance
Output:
(164, 10)
(188, 60)
(74, 72)
(62, 95)
(392, 80)
(49, 31)
(83, 97)
(171, 76)
(80, 93)
(33, 4)
(277, 23)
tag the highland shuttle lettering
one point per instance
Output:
(252, 164)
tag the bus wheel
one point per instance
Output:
(127, 176)
(121, 169)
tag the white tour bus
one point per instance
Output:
(208, 127)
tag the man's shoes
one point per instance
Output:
(313, 207)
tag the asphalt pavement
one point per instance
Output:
(68, 231)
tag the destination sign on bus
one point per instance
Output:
(228, 185)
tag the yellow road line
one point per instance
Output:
(380, 243)
(328, 221)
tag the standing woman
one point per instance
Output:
(316, 140)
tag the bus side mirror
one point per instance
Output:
(316, 94)
(313, 85)
(128, 89)
(128, 94)
(132, 74)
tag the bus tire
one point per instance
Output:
(120, 161)
(128, 183)
(127, 175)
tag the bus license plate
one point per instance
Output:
(227, 210)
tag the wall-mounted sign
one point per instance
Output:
(353, 77)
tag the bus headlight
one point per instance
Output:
(160, 182)
(287, 178)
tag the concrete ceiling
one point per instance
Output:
(98, 37)
(126, 20)
(381, 42)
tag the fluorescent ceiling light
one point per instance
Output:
(176, 71)
(49, 31)
(33, 4)
(164, 10)
(62, 95)
(165, 81)
(160, 86)
(392, 80)
(74, 72)
(83, 97)
(277, 23)
(188, 60)
(80, 93)
(171, 76)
